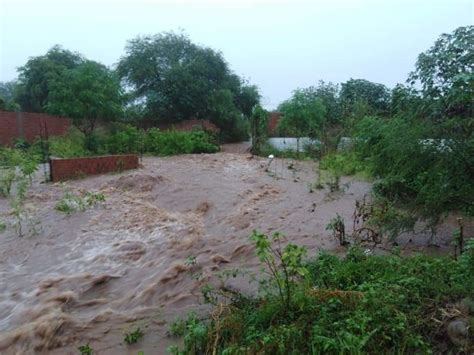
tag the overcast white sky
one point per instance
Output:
(278, 45)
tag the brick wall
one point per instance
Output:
(273, 118)
(73, 168)
(28, 126)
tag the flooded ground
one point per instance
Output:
(92, 276)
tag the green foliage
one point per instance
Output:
(356, 304)
(343, 164)
(338, 228)
(284, 264)
(125, 139)
(133, 336)
(68, 146)
(16, 171)
(7, 177)
(424, 173)
(446, 76)
(356, 92)
(181, 326)
(258, 129)
(15, 165)
(178, 80)
(85, 350)
(8, 91)
(178, 142)
(71, 202)
(87, 93)
(37, 75)
(303, 115)
(194, 332)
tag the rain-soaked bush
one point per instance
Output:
(359, 303)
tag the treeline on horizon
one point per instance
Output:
(416, 139)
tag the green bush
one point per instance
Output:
(343, 164)
(68, 146)
(178, 142)
(124, 139)
(15, 165)
(356, 304)
(424, 167)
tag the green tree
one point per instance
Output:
(329, 94)
(302, 115)
(8, 90)
(406, 101)
(177, 80)
(87, 93)
(36, 76)
(247, 98)
(356, 93)
(446, 74)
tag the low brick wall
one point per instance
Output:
(73, 168)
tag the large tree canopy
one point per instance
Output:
(176, 79)
(36, 76)
(87, 93)
(446, 73)
(355, 92)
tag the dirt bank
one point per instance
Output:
(91, 276)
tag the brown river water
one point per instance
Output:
(93, 276)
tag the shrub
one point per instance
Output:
(133, 336)
(68, 146)
(124, 139)
(71, 202)
(178, 142)
(355, 304)
(343, 164)
(430, 175)
(15, 165)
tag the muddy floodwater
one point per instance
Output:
(93, 276)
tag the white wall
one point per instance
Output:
(284, 143)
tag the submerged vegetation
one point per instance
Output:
(71, 202)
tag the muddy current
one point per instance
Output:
(92, 276)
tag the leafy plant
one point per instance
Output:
(194, 332)
(15, 165)
(338, 228)
(133, 336)
(284, 264)
(71, 202)
(7, 178)
(86, 350)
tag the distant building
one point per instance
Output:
(273, 118)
